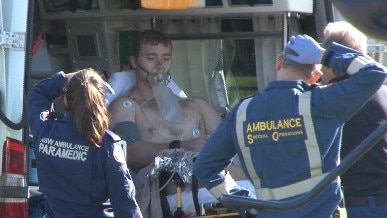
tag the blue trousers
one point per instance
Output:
(372, 210)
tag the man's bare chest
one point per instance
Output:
(154, 128)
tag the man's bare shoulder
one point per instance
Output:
(209, 115)
(123, 103)
(123, 109)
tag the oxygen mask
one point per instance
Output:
(162, 79)
(160, 74)
(167, 101)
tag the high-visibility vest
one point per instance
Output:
(315, 161)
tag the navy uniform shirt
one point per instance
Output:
(77, 179)
(368, 176)
(278, 163)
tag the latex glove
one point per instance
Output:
(239, 191)
(307, 49)
(339, 57)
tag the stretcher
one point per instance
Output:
(174, 167)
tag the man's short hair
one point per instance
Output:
(152, 37)
(304, 70)
(345, 34)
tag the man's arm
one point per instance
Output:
(342, 99)
(215, 156)
(122, 109)
(139, 153)
(211, 118)
(366, 77)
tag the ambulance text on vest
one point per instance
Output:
(63, 149)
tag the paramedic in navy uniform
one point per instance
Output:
(80, 163)
(288, 137)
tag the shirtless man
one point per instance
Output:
(137, 119)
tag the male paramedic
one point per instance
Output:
(288, 137)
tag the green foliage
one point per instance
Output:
(239, 87)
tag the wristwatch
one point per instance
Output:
(174, 144)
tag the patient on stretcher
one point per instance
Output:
(151, 117)
(155, 131)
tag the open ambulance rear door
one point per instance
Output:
(13, 127)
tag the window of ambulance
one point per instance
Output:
(226, 59)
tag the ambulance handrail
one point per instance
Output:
(347, 162)
(10, 123)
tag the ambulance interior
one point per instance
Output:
(227, 48)
(231, 44)
(223, 50)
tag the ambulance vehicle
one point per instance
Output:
(223, 50)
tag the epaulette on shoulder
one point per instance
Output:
(117, 140)
(114, 136)
(250, 96)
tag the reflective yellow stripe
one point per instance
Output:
(240, 119)
(357, 64)
(311, 141)
(312, 147)
(218, 190)
(289, 190)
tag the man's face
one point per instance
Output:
(153, 62)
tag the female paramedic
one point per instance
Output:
(81, 164)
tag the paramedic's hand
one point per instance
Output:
(339, 57)
(307, 49)
(239, 191)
